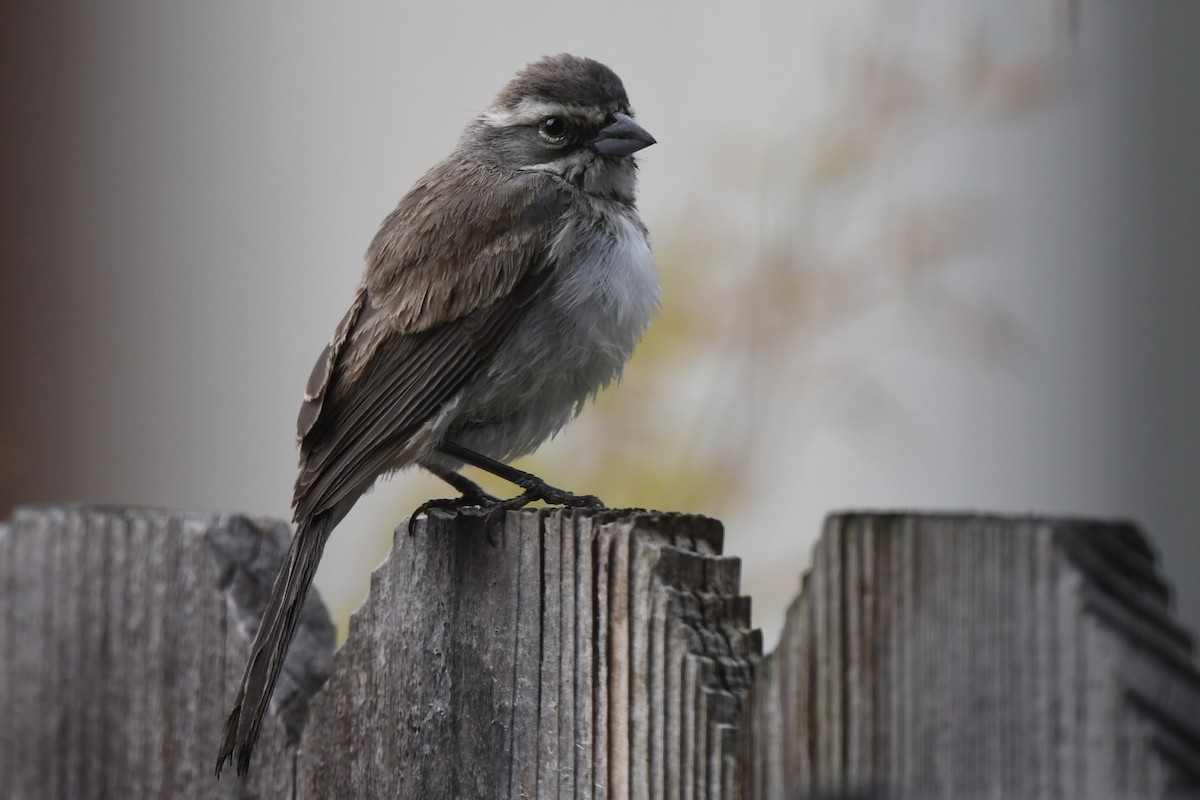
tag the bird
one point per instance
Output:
(507, 288)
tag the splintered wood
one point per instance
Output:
(123, 633)
(956, 656)
(574, 655)
(600, 654)
(566, 655)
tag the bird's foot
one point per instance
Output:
(475, 498)
(534, 487)
(493, 508)
(537, 489)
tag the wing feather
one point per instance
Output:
(421, 329)
(479, 228)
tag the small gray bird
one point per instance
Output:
(510, 285)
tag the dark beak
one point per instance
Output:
(621, 137)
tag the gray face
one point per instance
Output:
(559, 116)
(537, 132)
(557, 139)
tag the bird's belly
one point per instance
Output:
(573, 341)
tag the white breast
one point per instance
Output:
(609, 289)
(574, 340)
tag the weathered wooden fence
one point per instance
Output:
(597, 655)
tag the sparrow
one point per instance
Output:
(509, 286)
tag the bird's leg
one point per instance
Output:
(472, 495)
(469, 489)
(535, 488)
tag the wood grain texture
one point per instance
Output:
(600, 655)
(537, 666)
(961, 656)
(585, 654)
(122, 635)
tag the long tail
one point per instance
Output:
(271, 644)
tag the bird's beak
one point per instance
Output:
(621, 137)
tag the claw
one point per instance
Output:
(481, 499)
(494, 508)
(560, 497)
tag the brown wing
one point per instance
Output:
(445, 284)
(459, 240)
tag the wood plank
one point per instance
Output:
(117, 629)
(519, 666)
(975, 656)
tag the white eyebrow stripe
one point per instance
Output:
(527, 112)
(560, 165)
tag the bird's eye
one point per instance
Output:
(553, 129)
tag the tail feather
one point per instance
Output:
(270, 647)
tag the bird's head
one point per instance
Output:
(567, 116)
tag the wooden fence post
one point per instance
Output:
(597, 654)
(952, 656)
(600, 655)
(123, 633)
(582, 655)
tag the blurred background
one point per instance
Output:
(933, 255)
